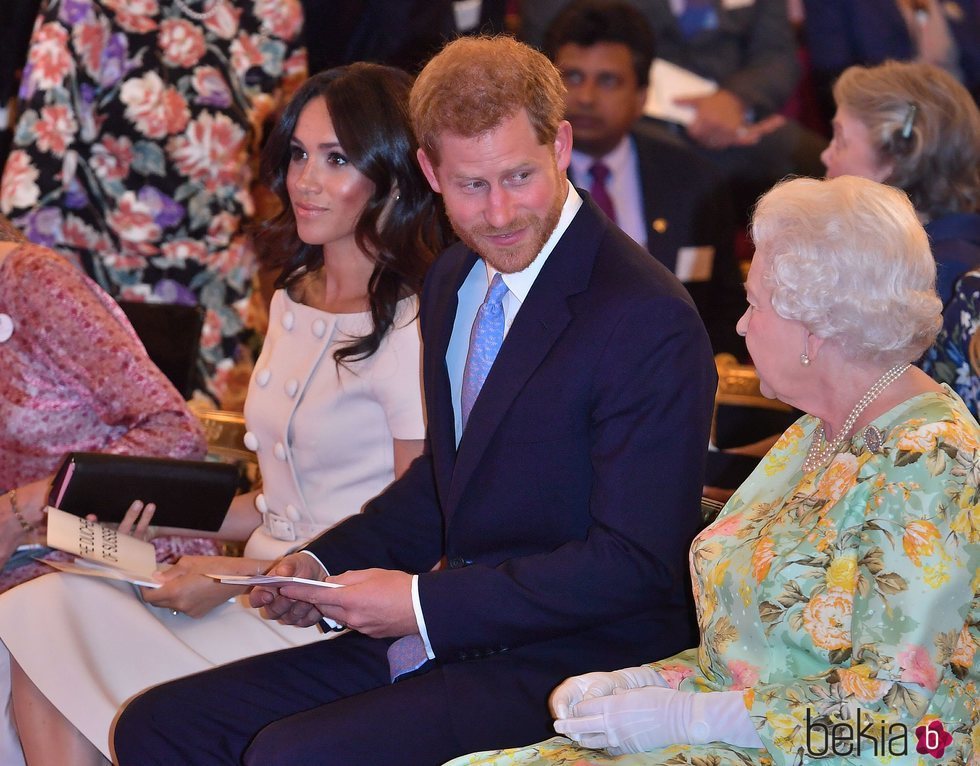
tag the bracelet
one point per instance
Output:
(24, 523)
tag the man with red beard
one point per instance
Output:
(544, 532)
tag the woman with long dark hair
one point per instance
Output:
(334, 414)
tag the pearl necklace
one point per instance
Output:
(198, 15)
(821, 451)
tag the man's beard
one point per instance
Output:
(510, 260)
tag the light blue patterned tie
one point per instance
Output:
(485, 339)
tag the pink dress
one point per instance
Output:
(75, 376)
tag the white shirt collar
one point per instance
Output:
(618, 161)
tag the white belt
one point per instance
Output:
(282, 528)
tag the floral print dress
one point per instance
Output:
(132, 152)
(954, 358)
(850, 588)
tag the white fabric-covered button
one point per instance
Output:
(263, 377)
(292, 386)
(261, 505)
(251, 441)
(292, 513)
(6, 327)
(279, 451)
(288, 320)
(319, 328)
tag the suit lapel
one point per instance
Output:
(657, 209)
(441, 417)
(541, 320)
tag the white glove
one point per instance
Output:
(573, 690)
(636, 720)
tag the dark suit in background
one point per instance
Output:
(842, 33)
(563, 520)
(402, 33)
(686, 204)
(751, 51)
(493, 14)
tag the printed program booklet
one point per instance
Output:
(270, 580)
(100, 550)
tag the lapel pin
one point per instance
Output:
(659, 225)
(953, 11)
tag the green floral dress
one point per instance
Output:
(853, 589)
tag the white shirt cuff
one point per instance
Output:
(331, 624)
(420, 619)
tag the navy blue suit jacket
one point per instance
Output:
(563, 519)
(686, 203)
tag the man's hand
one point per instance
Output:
(930, 32)
(276, 605)
(376, 602)
(719, 121)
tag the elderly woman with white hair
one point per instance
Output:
(837, 590)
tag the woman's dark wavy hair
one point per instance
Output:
(368, 106)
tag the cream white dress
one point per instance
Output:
(323, 435)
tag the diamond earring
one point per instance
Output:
(804, 359)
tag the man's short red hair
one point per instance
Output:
(475, 83)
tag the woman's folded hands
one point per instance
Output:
(633, 710)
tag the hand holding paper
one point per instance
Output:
(669, 86)
(289, 610)
(376, 602)
(117, 555)
(717, 118)
(189, 588)
(713, 117)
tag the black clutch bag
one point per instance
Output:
(191, 494)
(171, 335)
